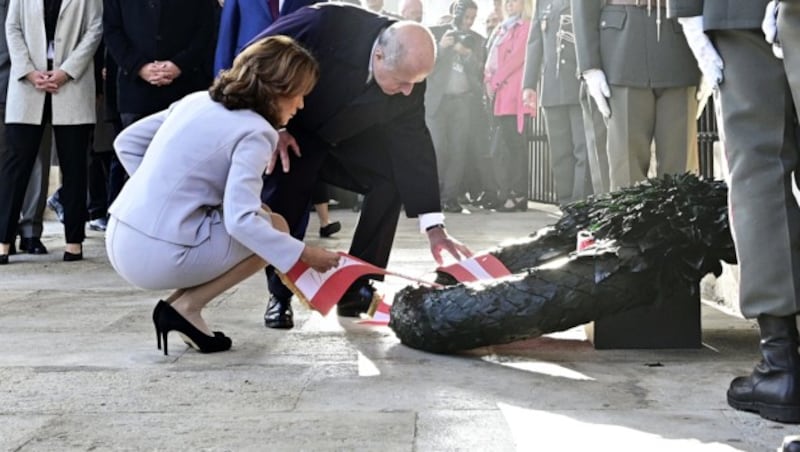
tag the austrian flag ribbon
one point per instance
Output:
(476, 268)
(321, 291)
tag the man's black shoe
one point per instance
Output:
(330, 229)
(356, 300)
(790, 444)
(279, 314)
(32, 245)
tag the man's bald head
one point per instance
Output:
(404, 56)
(411, 10)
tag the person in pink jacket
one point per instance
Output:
(503, 78)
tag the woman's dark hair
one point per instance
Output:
(271, 68)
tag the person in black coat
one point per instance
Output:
(161, 48)
(362, 129)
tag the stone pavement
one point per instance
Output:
(79, 370)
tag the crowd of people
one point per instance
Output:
(408, 116)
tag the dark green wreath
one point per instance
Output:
(657, 236)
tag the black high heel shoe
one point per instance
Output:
(166, 319)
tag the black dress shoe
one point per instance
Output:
(3, 259)
(279, 314)
(790, 444)
(356, 300)
(12, 249)
(32, 245)
(72, 257)
(330, 229)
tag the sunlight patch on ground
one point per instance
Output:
(541, 430)
(538, 367)
(366, 368)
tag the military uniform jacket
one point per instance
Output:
(551, 55)
(721, 14)
(623, 42)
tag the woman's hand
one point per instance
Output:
(319, 259)
(40, 80)
(57, 79)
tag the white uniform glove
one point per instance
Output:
(598, 88)
(770, 27)
(708, 60)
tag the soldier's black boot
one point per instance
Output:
(773, 388)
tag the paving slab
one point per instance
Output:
(79, 370)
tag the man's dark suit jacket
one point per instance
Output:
(142, 31)
(343, 107)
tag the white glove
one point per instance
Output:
(770, 27)
(598, 88)
(708, 60)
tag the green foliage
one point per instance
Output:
(677, 222)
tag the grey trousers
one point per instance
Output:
(640, 116)
(762, 150)
(450, 132)
(568, 156)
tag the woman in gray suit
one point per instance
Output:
(190, 217)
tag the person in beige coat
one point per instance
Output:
(51, 45)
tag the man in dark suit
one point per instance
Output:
(363, 129)
(242, 19)
(759, 125)
(161, 50)
(551, 58)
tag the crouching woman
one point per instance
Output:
(190, 218)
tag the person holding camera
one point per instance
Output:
(453, 98)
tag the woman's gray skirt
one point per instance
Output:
(154, 264)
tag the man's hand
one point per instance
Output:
(285, 142)
(440, 240)
(447, 40)
(529, 98)
(149, 73)
(708, 60)
(319, 259)
(598, 88)
(167, 72)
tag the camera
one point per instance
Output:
(464, 38)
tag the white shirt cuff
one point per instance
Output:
(429, 219)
